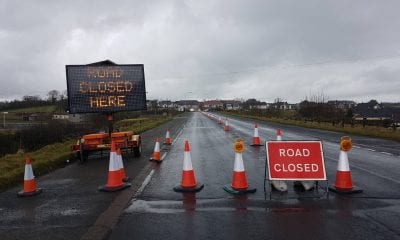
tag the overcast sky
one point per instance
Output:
(208, 49)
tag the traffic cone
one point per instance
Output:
(256, 138)
(239, 182)
(121, 166)
(30, 188)
(167, 139)
(278, 135)
(226, 127)
(279, 185)
(219, 120)
(114, 180)
(188, 182)
(156, 153)
(343, 183)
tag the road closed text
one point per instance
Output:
(293, 160)
(306, 167)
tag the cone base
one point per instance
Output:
(104, 188)
(156, 160)
(353, 190)
(167, 143)
(28, 194)
(228, 188)
(197, 188)
(256, 145)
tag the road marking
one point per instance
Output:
(387, 153)
(368, 171)
(145, 183)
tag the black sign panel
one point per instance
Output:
(105, 88)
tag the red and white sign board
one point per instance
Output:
(295, 160)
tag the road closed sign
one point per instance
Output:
(295, 160)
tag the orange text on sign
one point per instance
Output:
(107, 101)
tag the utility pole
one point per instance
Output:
(4, 119)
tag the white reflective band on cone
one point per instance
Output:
(187, 162)
(157, 147)
(167, 134)
(343, 164)
(119, 157)
(255, 132)
(238, 167)
(279, 138)
(113, 166)
(28, 172)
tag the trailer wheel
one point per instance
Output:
(137, 151)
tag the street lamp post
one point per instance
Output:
(4, 119)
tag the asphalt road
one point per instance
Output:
(157, 212)
(70, 204)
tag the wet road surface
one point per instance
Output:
(160, 213)
(70, 202)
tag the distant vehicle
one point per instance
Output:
(192, 110)
(102, 142)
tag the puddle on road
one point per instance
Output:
(186, 205)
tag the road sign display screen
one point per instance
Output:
(108, 88)
(295, 160)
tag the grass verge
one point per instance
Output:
(55, 155)
(369, 131)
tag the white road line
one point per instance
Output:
(177, 136)
(145, 183)
(387, 153)
(370, 172)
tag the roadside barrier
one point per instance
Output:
(30, 188)
(156, 153)
(226, 127)
(239, 182)
(343, 182)
(188, 181)
(121, 166)
(256, 137)
(167, 138)
(114, 179)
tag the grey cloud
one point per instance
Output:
(186, 45)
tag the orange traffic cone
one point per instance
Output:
(343, 183)
(256, 138)
(239, 182)
(226, 127)
(156, 153)
(30, 188)
(278, 135)
(279, 185)
(114, 180)
(121, 166)
(188, 182)
(219, 120)
(167, 138)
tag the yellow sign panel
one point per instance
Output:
(238, 146)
